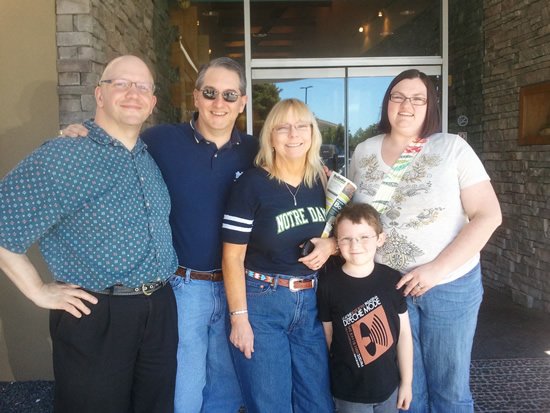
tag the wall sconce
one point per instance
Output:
(380, 13)
(361, 29)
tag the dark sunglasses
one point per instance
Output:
(228, 95)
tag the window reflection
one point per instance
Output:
(326, 99)
(314, 29)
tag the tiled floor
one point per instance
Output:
(511, 385)
(510, 370)
(510, 367)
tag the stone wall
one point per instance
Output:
(92, 32)
(517, 54)
(466, 49)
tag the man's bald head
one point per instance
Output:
(125, 98)
(111, 68)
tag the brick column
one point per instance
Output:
(79, 61)
(92, 32)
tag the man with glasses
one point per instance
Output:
(100, 210)
(199, 161)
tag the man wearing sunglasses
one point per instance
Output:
(199, 161)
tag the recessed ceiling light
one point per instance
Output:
(407, 12)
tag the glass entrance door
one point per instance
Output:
(345, 101)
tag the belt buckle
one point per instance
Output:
(145, 290)
(291, 284)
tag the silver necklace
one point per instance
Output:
(293, 194)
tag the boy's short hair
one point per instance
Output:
(357, 212)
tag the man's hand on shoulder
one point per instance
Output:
(74, 131)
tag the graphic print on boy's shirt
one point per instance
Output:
(368, 331)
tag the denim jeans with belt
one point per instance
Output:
(288, 371)
(205, 379)
(443, 322)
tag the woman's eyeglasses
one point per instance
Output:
(228, 95)
(285, 129)
(415, 100)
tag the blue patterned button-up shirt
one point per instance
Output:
(99, 211)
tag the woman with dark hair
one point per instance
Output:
(438, 214)
(279, 345)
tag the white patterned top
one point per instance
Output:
(425, 213)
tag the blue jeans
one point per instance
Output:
(387, 406)
(288, 371)
(205, 379)
(443, 322)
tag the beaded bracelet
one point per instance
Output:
(238, 312)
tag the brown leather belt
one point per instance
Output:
(294, 284)
(197, 275)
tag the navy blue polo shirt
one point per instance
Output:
(199, 176)
(99, 211)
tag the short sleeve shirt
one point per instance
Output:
(365, 320)
(99, 211)
(199, 176)
(425, 213)
(261, 213)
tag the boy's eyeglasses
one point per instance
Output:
(415, 100)
(228, 95)
(345, 241)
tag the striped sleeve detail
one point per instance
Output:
(234, 223)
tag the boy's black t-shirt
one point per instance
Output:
(365, 318)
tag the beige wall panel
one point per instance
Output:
(29, 114)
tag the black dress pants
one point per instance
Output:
(120, 358)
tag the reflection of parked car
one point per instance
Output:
(327, 151)
(342, 167)
(337, 163)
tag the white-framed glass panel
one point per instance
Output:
(351, 36)
(345, 101)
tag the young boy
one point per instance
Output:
(365, 320)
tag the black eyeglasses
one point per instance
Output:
(415, 100)
(228, 95)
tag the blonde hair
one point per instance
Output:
(277, 116)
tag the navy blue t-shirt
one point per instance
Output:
(199, 177)
(261, 213)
